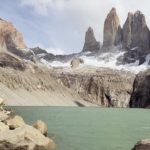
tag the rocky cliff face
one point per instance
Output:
(112, 29)
(90, 41)
(106, 88)
(136, 32)
(140, 97)
(136, 38)
(10, 38)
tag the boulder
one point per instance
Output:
(142, 145)
(3, 127)
(76, 62)
(112, 34)
(25, 137)
(15, 122)
(90, 45)
(3, 115)
(41, 126)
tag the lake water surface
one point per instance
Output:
(74, 128)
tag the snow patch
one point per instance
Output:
(106, 60)
(55, 63)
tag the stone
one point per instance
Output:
(131, 56)
(112, 34)
(140, 97)
(25, 137)
(142, 145)
(90, 45)
(3, 127)
(3, 115)
(8, 60)
(15, 122)
(136, 32)
(1, 101)
(41, 126)
(5, 145)
(76, 62)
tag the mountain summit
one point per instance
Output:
(112, 34)
(90, 41)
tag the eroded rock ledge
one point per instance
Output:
(140, 97)
(104, 87)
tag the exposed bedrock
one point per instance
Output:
(136, 32)
(90, 42)
(106, 88)
(112, 34)
(140, 97)
(136, 38)
(11, 40)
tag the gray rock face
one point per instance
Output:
(10, 37)
(140, 97)
(136, 32)
(142, 145)
(90, 41)
(112, 30)
(107, 88)
(11, 40)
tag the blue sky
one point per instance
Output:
(59, 25)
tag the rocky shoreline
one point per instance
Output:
(15, 134)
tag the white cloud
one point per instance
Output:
(73, 17)
(55, 51)
(84, 13)
(42, 6)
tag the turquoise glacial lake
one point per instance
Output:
(75, 128)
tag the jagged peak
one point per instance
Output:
(89, 36)
(130, 14)
(113, 9)
(112, 29)
(112, 12)
(112, 15)
(90, 29)
(138, 12)
(91, 43)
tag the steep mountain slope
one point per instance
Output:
(35, 86)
